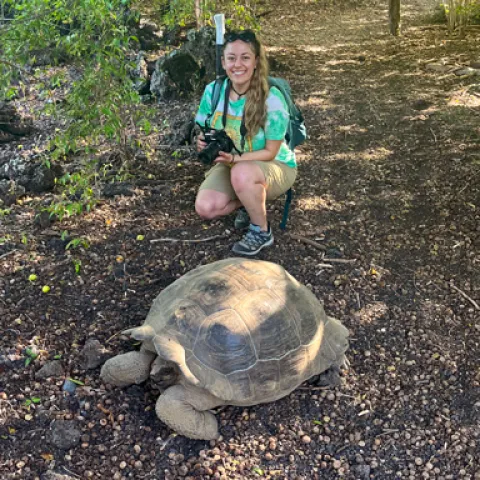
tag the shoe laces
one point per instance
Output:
(254, 236)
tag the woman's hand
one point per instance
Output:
(226, 158)
(201, 144)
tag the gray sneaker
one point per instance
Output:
(242, 220)
(253, 241)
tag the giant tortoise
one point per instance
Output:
(234, 332)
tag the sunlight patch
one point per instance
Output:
(317, 202)
(314, 48)
(462, 98)
(369, 155)
(371, 313)
(316, 100)
(351, 129)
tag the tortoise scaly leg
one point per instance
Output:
(127, 369)
(184, 409)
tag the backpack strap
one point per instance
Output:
(225, 103)
(243, 128)
(217, 89)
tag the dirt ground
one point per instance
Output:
(388, 184)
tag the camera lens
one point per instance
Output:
(209, 153)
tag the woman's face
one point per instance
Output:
(239, 62)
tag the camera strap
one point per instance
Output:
(243, 128)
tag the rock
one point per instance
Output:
(437, 67)
(10, 191)
(11, 362)
(51, 475)
(65, 434)
(11, 123)
(201, 45)
(466, 71)
(182, 132)
(421, 104)
(44, 219)
(175, 73)
(92, 355)
(362, 472)
(6, 137)
(149, 35)
(50, 369)
(475, 64)
(139, 74)
(42, 179)
(112, 189)
(33, 176)
(171, 35)
(188, 68)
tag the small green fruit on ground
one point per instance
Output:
(32, 277)
(45, 289)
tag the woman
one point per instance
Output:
(256, 120)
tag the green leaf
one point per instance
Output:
(78, 382)
(31, 354)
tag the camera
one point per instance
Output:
(217, 141)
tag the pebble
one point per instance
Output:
(306, 439)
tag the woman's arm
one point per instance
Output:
(266, 154)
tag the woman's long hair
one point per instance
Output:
(255, 104)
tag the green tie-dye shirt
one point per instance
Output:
(275, 125)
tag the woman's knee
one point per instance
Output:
(206, 208)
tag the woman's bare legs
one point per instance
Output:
(249, 184)
(211, 204)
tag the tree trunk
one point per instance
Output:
(394, 16)
(198, 13)
(463, 16)
(452, 15)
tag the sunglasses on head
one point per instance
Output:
(244, 35)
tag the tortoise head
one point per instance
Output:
(163, 374)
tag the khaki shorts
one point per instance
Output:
(279, 178)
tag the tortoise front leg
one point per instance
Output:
(128, 368)
(183, 409)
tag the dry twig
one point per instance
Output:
(317, 245)
(186, 240)
(8, 253)
(464, 295)
(339, 260)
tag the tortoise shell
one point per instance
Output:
(244, 330)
